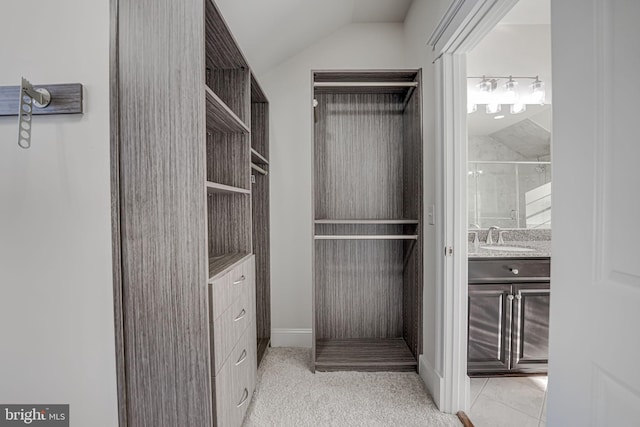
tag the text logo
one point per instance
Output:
(34, 415)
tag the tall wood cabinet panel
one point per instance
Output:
(191, 308)
(368, 220)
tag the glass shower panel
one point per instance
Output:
(535, 196)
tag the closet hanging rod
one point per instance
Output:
(365, 84)
(366, 237)
(258, 169)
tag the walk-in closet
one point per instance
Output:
(367, 245)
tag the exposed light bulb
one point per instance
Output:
(493, 108)
(472, 108)
(486, 88)
(517, 108)
(537, 92)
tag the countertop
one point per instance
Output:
(538, 240)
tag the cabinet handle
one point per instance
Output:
(242, 314)
(514, 270)
(242, 357)
(510, 297)
(245, 396)
(518, 297)
(240, 280)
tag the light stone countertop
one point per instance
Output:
(539, 240)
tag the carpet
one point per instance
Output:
(288, 394)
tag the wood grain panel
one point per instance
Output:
(162, 174)
(365, 76)
(257, 94)
(364, 355)
(413, 208)
(222, 51)
(220, 117)
(65, 99)
(229, 223)
(358, 157)
(358, 292)
(228, 159)
(232, 86)
(261, 245)
(260, 128)
(221, 264)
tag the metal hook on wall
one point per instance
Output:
(28, 100)
(29, 97)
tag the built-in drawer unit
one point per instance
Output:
(236, 381)
(483, 270)
(227, 288)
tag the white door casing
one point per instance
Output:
(594, 376)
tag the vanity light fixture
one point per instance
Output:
(537, 91)
(511, 91)
(517, 108)
(493, 108)
(472, 108)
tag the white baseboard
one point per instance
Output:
(432, 379)
(282, 337)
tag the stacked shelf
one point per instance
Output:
(382, 354)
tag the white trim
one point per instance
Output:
(460, 30)
(432, 379)
(285, 337)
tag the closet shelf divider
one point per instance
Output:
(220, 117)
(214, 187)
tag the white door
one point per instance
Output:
(594, 374)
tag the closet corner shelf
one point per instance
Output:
(221, 263)
(363, 354)
(366, 221)
(214, 187)
(220, 118)
(258, 158)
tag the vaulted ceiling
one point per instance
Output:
(269, 32)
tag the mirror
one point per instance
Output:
(509, 169)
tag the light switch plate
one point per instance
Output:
(431, 214)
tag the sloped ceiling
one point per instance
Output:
(269, 32)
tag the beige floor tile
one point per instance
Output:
(539, 382)
(477, 384)
(490, 413)
(543, 415)
(518, 393)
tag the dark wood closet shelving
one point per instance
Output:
(220, 263)
(383, 354)
(366, 221)
(220, 118)
(258, 158)
(214, 187)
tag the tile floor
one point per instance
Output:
(509, 402)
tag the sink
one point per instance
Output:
(507, 248)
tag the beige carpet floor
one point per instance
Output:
(289, 395)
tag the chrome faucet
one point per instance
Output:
(489, 240)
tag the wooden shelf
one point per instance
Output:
(214, 187)
(357, 354)
(219, 263)
(365, 237)
(220, 118)
(258, 158)
(366, 221)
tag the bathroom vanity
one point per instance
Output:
(509, 292)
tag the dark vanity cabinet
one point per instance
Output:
(508, 324)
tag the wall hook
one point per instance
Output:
(29, 97)
(27, 100)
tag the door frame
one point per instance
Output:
(462, 27)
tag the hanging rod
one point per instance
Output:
(365, 84)
(366, 237)
(507, 162)
(504, 77)
(259, 169)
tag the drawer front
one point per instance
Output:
(485, 270)
(236, 381)
(228, 328)
(226, 289)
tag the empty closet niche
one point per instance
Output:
(368, 220)
(260, 209)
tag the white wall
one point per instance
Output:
(288, 87)
(420, 23)
(56, 306)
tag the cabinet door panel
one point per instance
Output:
(489, 328)
(530, 339)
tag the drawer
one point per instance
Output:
(235, 383)
(506, 269)
(226, 289)
(228, 328)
